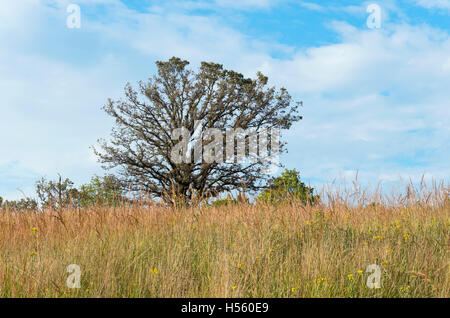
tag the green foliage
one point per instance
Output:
(105, 190)
(56, 194)
(19, 205)
(229, 201)
(224, 202)
(288, 186)
(62, 194)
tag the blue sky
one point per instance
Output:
(376, 101)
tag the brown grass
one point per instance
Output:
(244, 250)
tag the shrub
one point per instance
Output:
(19, 205)
(105, 190)
(288, 186)
(56, 194)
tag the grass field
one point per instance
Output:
(243, 250)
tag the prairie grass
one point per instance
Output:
(239, 250)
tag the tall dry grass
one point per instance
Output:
(244, 250)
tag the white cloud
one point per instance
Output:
(52, 115)
(350, 9)
(376, 102)
(246, 3)
(371, 61)
(440, 4)
(311, 6)
(216, 5)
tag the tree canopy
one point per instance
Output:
(288, 186)
(142, 143)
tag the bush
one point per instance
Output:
(56, 194)
(287, 187)
(105, 190)
(62, 194)
(19, 205)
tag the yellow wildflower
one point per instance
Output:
(405, 289)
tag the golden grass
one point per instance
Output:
(241, 250)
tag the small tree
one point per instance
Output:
(56, 195)
(105, 190)
(287, 187)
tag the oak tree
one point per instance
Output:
(142, 141)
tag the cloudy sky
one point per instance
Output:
(376, 101)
